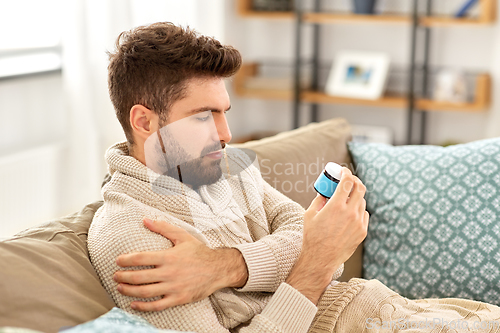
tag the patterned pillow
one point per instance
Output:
(117, 321)
(434, 228)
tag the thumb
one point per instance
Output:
(175, 234)
(316, 205)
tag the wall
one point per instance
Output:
(32, 132)
(32, 112)
(473, 49)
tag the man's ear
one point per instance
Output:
(143, 121)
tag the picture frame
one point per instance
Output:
(450, 86)
(360, 75)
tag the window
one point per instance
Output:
(30, 36)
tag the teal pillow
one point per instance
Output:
(434, 228)
(117, 321)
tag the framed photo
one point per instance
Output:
(358, 75)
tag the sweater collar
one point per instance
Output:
(217, 195)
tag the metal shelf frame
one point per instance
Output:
(416, 117)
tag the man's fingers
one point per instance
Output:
(344, 187)
(358, 191)
(136, 277)
(144, 291)
(317, 203)
(166, 302)
(175, 234)
(140, 259)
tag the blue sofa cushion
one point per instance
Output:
(434, 227)
(117, 321)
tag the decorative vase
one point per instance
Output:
(364, 6)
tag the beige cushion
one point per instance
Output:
(291, 161)
(47, 281)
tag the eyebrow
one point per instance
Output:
(207, 108)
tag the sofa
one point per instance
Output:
(48, 283)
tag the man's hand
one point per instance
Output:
(332, 232)
(188, 272)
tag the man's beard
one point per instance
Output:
(199, 171)
(179, 164)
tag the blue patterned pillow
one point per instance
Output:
(434, 227)
(117, 321)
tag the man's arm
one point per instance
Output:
(332, 232)
(188, 272)
(288, 311)
(271, 256)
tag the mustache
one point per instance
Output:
(212, 148)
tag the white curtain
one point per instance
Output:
(91, 29)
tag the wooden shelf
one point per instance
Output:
(286, 95)
(426, 21)
(331, 18)
(270, 15)
(481, 101)
(323, 98)
(248, 70)
(245, 10)
(486, 16)
(445, 21)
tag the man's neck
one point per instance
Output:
(137, 153)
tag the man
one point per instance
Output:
(190, 236)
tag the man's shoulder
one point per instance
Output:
(118, 217)
(119, 228)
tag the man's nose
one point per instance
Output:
(223, 131)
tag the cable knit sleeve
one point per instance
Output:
(270, 258)
(288, 311)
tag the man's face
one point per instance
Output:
(189, 146)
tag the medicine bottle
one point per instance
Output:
(328, 180)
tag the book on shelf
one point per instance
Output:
(464, 9)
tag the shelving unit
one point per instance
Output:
(487, 16)
(481, 95)
(410, 101)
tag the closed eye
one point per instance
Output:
(202, 118)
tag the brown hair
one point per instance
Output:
(152, 64)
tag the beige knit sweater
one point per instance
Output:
(240, 211)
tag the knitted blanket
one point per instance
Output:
(369, 306)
